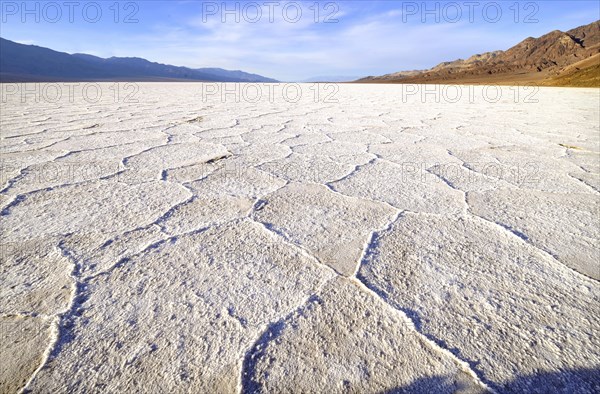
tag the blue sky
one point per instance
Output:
(362, 38)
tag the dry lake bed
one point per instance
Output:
(202, 238)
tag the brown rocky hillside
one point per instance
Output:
(554, 59)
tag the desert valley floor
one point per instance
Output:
(377, 241)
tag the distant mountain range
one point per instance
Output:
(30, 63)
(558, 58)
(331, 78)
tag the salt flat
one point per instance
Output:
(378, 240)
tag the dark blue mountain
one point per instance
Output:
(30, 63)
